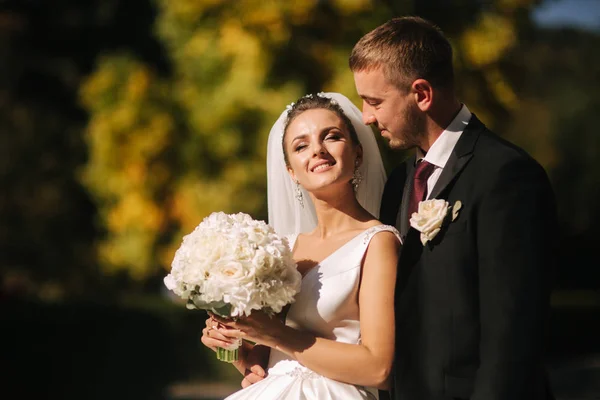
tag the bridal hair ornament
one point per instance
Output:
(286, 214)
(310, 96)
(322, 95)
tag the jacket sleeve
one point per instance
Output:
(516, 240)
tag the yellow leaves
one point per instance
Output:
(248, 68)
(123, 117)
(225, 143)
(185, 204)
(198, 44)
(501, 88)
(236, 41)
(101, 81)
(486, 42)
(129, 133)
(343, 78)
(132, 224)
(121, 138)
(269, 16)
(322, 52)
(195, 197)
(150, 139)
(134, 212)
(136, 173)
(349, 7)
(132, 252)
(137, 84)
(190, 10)
(300, 11)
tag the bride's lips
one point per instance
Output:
(324, 166)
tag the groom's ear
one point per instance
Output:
(423, 94)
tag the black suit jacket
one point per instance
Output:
(472, 304)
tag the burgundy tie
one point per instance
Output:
(419, 189)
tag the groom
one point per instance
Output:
(472, 300)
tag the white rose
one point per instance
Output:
(170, 282)
(263, 261)
(243, 300)
(429, 218)
(233, 271)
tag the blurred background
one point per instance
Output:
(124, 123)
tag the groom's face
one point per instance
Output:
(392, 110)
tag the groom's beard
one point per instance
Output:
(413, 129)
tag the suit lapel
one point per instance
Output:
(462, 153)
(454, 165)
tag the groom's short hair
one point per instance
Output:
(406, 48)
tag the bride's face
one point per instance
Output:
(320, 150)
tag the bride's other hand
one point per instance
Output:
(258, 327)
(214, 335)
(255, 363)
(256, 373)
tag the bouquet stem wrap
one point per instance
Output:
(232, 264)
(229, 355)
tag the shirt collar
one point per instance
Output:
(440, 150)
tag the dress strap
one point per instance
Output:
(369, 233)
(291, 240)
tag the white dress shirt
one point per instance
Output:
(440, 150)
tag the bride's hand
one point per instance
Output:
(258, 327)
(215, 335)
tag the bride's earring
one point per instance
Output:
(357, 178)
(299, 196)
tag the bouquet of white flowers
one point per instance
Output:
(231, 265)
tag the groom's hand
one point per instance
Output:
(256, 373)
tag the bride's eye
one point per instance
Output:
(333, 136)
(299, 147)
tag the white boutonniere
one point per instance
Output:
(430, 217)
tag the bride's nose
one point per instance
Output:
(319, 149)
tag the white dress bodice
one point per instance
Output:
(326, 306)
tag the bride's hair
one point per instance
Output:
(312, 102)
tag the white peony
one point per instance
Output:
(429, 218)
(232, 264)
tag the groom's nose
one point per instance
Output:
(367, 114)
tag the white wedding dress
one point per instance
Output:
(326, 306)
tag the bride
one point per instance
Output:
(325, 180)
